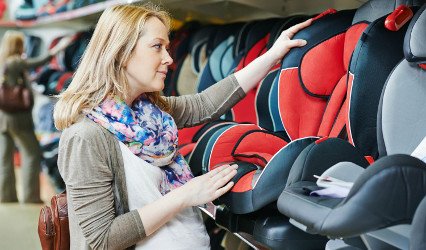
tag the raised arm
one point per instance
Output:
(191, 110)
(36, 62)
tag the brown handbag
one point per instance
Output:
(15, 98)
(53, 228)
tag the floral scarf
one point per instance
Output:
(150, 133)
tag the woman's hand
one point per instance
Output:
(284, 42)
(208, 187)
(253, 73)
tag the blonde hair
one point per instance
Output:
(12, 44)
(101, 71)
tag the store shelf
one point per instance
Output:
(244, 10)
(211, 11)
(87, 13)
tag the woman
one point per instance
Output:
(126, 183)
(17, 128)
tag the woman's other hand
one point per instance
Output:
(200, 190)
(208, 187)
(284, 42)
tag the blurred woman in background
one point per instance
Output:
(17, 128)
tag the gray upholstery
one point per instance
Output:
(374, 9)
(418, 230)
(403, 113)
(414, 44)
(418, 37)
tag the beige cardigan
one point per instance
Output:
(91, 165)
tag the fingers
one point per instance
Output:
(224, 177)
(217, 170)
(296, 43)
(290, 32)
(223, 190)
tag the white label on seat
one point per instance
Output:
(420, 151)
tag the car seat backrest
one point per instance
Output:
(221, 59)
(333, 119)
(378, 52)
(304, 85)
(402, 113)
(258, 37)
(194, 61)
(263, 115)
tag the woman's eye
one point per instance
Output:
(157, 46)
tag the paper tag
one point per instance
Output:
(420, 151)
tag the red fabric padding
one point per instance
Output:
(398, 18)
(335, 116)
(186, 134)
(340, 122)
(244, 110)
(321, 140)
(352, 36)
(333, 107)
(423, 66)
(61, 81)
(260, 141)
(300, 112)
(327, 12)
(187, 149)
(322, 66)
(348, 121)
(369, 158)
(225, 143)
(258, 147)
(244, 183)
(254, 52)
(257, 158)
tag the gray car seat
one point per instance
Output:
(418, 230)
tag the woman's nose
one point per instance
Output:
(168, 60)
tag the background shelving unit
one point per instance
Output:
(88, 14)
(211, 11)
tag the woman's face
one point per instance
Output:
(147, 67)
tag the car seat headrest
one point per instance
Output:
(414, 43)
(375, 9)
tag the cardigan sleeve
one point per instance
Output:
(89, 184)
(210, 104)
(36, 62)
